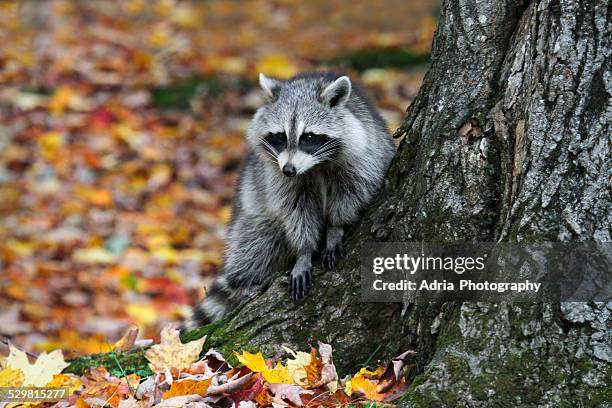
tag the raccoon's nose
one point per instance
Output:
(289, 170)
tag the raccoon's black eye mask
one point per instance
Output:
(277, 140)
(311, 142)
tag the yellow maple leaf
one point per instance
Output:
(171, 354)
(187, 387)
(256, 363)
(365, 383)
(42, 371)
(278, 375)
(10, 377)
(70, 381)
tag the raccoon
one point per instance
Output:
(318, 152)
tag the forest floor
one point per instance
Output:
(121, 134)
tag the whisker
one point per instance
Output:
(328, 151)
(271, 156)
(269, 149)
(268, 145)
(324, 145)
(330, 143)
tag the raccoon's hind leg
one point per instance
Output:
(256, 249)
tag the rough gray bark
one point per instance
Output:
(511, 142)
(508, 140)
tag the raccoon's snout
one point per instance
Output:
(289, 170)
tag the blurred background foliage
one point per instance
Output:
(121, 133)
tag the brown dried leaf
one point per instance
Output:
(128, 339)
(392, 373)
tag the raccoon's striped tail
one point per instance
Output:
(217, 303)
(222, 298)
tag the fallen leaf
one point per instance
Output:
(392, 374)
(362, 383)
(297, 364)
(313, 369)
(80, 403)
(41, 372)
(70, 381)
(283, 393)
(183, 401)
(128, 339)
(321, 371)
(99, 383)
(256, 363)
(171, 354)
(215, 361)
(231, 386)
(11, 377)
(247, 404)
(187, 387)
(132, 402)
(249, 393)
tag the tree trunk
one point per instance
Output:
(508, 140)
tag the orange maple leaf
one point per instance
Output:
(313, 370)
(187, 387)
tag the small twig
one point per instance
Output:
(6, 341)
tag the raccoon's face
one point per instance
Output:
(298, 156)
(303, 123)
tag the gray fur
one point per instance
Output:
(279, 220)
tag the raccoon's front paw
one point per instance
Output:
(300, 281)
(331, 256)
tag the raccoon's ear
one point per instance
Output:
(338, 92)
(269, 86)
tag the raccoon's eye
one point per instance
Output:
(277, 140)
(307, 138)
(311, 138)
